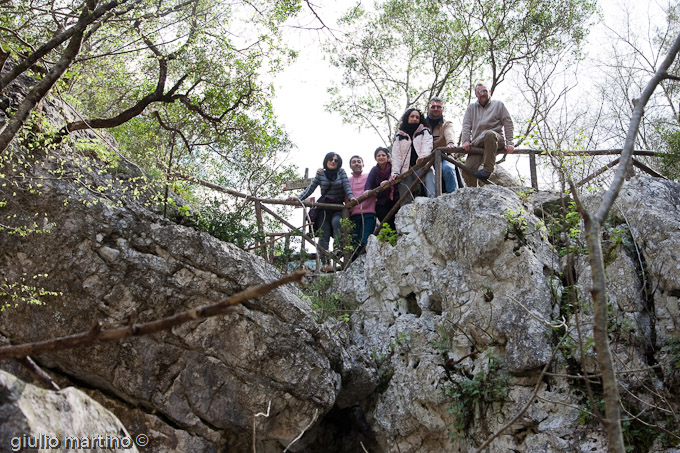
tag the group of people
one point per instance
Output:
(486, 124)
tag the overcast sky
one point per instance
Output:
(301, 95)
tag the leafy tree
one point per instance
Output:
(405, 52)
(178, 83)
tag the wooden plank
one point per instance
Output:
(598, 172)
(532, 169)
(437, 172)
(647, 170)
(297, 184)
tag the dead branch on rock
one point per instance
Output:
(260, 414)
(311, 422)
(97, 334)
(38, 373)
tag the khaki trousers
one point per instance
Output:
(491, 142)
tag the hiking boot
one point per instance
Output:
(482, 174)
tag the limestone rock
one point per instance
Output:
(32, 418)
(210, 377)
(651, 208)
(473, 282)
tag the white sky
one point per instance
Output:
(301, 93)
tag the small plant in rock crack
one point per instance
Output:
(517, 227)
(475, 394)
(444, 342)
(325, 302)
(387, 234)
(517, 221)
(347, 240)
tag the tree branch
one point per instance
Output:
(41, 89)
(86, 19)
(96, 334)
(593, 225)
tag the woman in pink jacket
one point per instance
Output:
(412, 144)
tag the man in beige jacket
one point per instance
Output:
(487, 124)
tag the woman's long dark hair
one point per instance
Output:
(407, 113)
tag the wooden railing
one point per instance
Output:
(434, 160)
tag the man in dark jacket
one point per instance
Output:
(443, 136)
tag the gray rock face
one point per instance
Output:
(455, 262)
(209, 378)
(473, 281)
(651, 209)
(32, 418)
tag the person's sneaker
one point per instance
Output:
(482, 174)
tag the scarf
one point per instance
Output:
(384, 175)
(331, 175)
(409, 128)
(433, 123)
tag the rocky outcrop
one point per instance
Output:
(476, 291)
(208, 378)
(110, 258)
(474, 320)
(33, 419)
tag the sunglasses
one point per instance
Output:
(334, 160)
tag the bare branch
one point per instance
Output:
(38, 372)
(97, 334)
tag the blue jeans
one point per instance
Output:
(427, 179)
(449, 176)
(364, 225)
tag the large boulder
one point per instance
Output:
(470, 280)
(112, 262)
(464, 313)
(34, 419)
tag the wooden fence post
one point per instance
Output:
(437, 172)
(272, 248)
(286, 248)
(260, 228)
(532, 169)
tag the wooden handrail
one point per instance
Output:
(434, 159)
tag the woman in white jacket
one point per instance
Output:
(412, 144)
